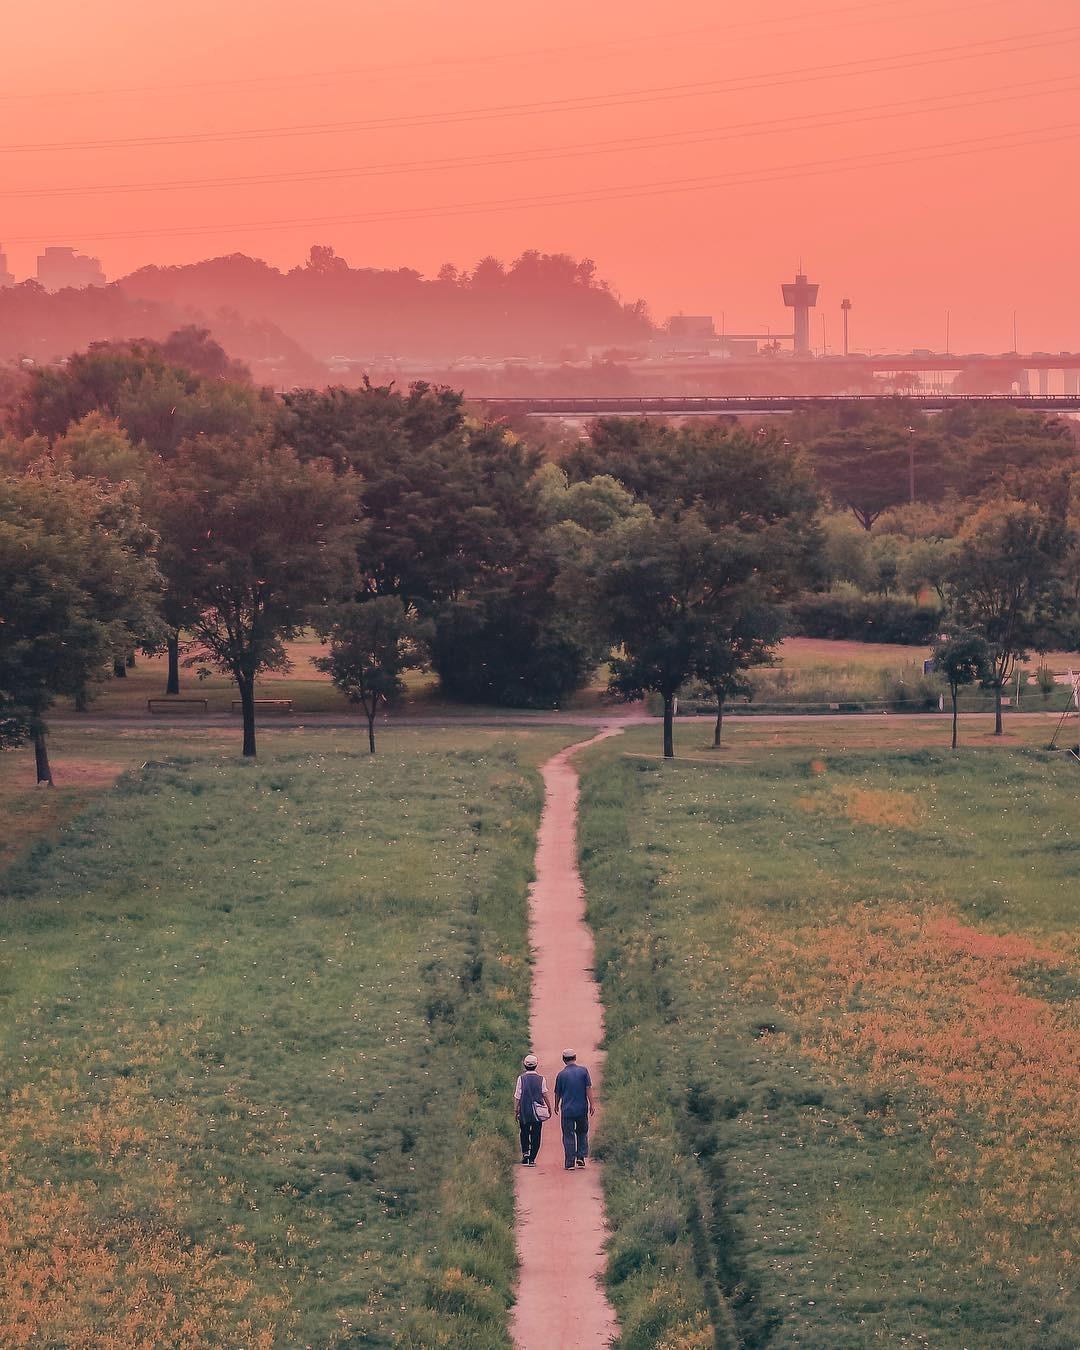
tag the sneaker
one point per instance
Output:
(569, 1167)
(581, 1162)
(525, 1160)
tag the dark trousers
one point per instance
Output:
(575, 1137)
(530, 1137)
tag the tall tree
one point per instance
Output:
(447, 499)
(729, 651)
(963, 659)
(1006, 583)
(77, 588)
(157, 403)
(673, 590)
(257, 543)
(372, 643)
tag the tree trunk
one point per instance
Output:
(371, 730)
(997, 710)
(669, 718)
(130, 661)
(954, 717)
(719, 727)
(172, 643)
(41, 758)
(119, 670)
(81, 703)
(246, 685)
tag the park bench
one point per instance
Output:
(165, 705)
(271, 705)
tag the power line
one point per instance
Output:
(961, 99)
(989, 47)
(781, 173)
(865, 10)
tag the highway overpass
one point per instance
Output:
(743, 405)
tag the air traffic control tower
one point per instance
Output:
(801, 296)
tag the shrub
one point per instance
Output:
(865, 618)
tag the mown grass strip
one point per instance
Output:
(256, 1023)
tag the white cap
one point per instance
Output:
(569, 1054)
(529, 1062)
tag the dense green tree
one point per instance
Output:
(372, 643)
(97, 446)
(673, 588)
(874, 468)
(962, 659)
(993, 449)
(529, 635)
(157, 403)
(1006, 583)
(77, 589)
(447, 499)
(926, 563)
(257, 543)
(724, 470)
(695, 587)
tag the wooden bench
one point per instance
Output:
(164, 705)
(272, 705)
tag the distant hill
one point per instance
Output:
(539, 305)
(47, 327)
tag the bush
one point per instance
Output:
(501, 649)
(865, 618)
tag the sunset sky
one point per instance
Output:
(919, 157)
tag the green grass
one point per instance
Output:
(841, 1041)
(258, 1022)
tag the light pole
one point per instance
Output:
(845, 305)
(911, 464)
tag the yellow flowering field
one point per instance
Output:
(844, 1047)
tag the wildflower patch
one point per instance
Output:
(886, 808)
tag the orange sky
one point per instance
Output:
(965, 113)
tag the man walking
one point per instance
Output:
(574, 1102)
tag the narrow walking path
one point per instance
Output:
(560, 1215)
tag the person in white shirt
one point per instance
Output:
(532, 1106)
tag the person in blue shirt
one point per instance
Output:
(574, 1103)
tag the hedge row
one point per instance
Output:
(865, 618)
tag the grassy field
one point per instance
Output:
(842, 1072)
(817, 673)
(258, 1025)
(808, 671)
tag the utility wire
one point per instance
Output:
(781, 173)
(740, 84)
(865, 10)
(875, 112)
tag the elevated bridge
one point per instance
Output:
(743, 405)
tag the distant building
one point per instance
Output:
(696, 335)
(697, 327)
(58, 268)
(6, 277)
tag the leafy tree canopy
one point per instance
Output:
(372, 643)
(257, 542)
(447, 499)
(77, 589)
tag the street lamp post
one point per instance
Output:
(911, 464)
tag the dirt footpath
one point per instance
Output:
(560, 1215)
